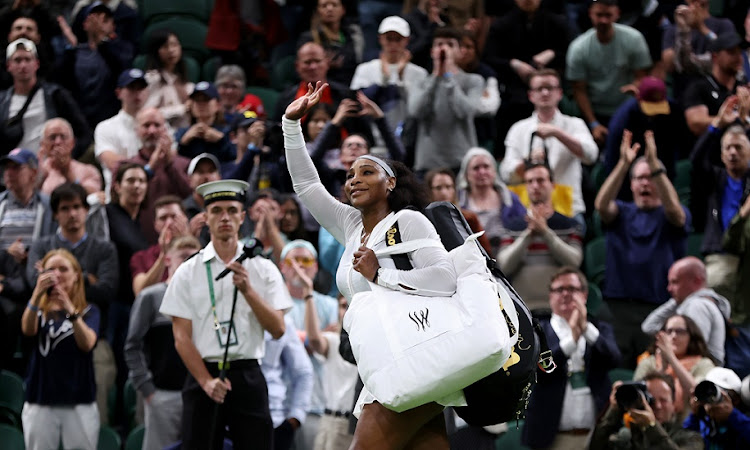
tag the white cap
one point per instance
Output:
(215, 191)
(24, 43)
(725, 379)
(194, 162)
(394, 23)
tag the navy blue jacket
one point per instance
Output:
(546, 402)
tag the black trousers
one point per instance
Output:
(244, 411)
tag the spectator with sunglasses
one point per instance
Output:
(299, 262)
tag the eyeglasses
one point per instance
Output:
(544, 88)
(303, 261)
(568, 289)
(676, 331)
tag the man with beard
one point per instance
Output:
(704, 96)
(167, 171)
(604, 64)
(644, 238)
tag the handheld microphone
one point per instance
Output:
(253, 248)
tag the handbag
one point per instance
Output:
(412, 349)
(12, 131)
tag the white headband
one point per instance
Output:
(381, 163)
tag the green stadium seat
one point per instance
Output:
(683, 171)
(11, 398)
(594, 260)
(594, 302)
(269, 97)
(620, 375)
(283, 73)
(134, 440)
(191, 32)
(694, 242)
(11, 437)
(108, 439)
(511, 439)
(158, 10)
(210, 67)
(192, 66)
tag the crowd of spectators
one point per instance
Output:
(554, 125)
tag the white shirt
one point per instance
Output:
(579, 409)
(116, 134)
(33, 119)
(339, 376)
(188, 297)
(566, 167)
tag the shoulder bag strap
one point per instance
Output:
(22, 111)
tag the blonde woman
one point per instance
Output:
(60, 388)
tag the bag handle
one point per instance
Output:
(408, 247)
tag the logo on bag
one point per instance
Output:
(390, 236)
(420, 318)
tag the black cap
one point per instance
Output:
(98, 7)
(725, 41)
(244, 120)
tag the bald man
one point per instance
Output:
(691, 298)
(311, 65)
(167, 171)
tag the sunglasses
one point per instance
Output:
(303, 261)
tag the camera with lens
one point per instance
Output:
(708, 393)
(628, 395)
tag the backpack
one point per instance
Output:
(502, 396)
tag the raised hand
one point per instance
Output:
(369, 107)
(628, 152)
(650, 151)
(728, 112)
(300, 107)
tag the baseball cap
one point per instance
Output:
(130, 76)
(244, 120)
(205, 88)
(725, 41)
(194, 162)
(652, 96)
(724, 378)
(98, 7)
(24, 43)
(252, 102)
(20, 156)
(394, 23)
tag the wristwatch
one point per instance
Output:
(73, 317)
(657, 172)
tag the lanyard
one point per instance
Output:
(211, 294)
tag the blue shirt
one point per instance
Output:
(328, 314)
(289, 376)
(730, 201)
(59, 372)
(641, 246)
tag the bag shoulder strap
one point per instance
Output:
(393, 240)
(25, 106)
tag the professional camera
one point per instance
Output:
(628, 395)
(708, 393)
